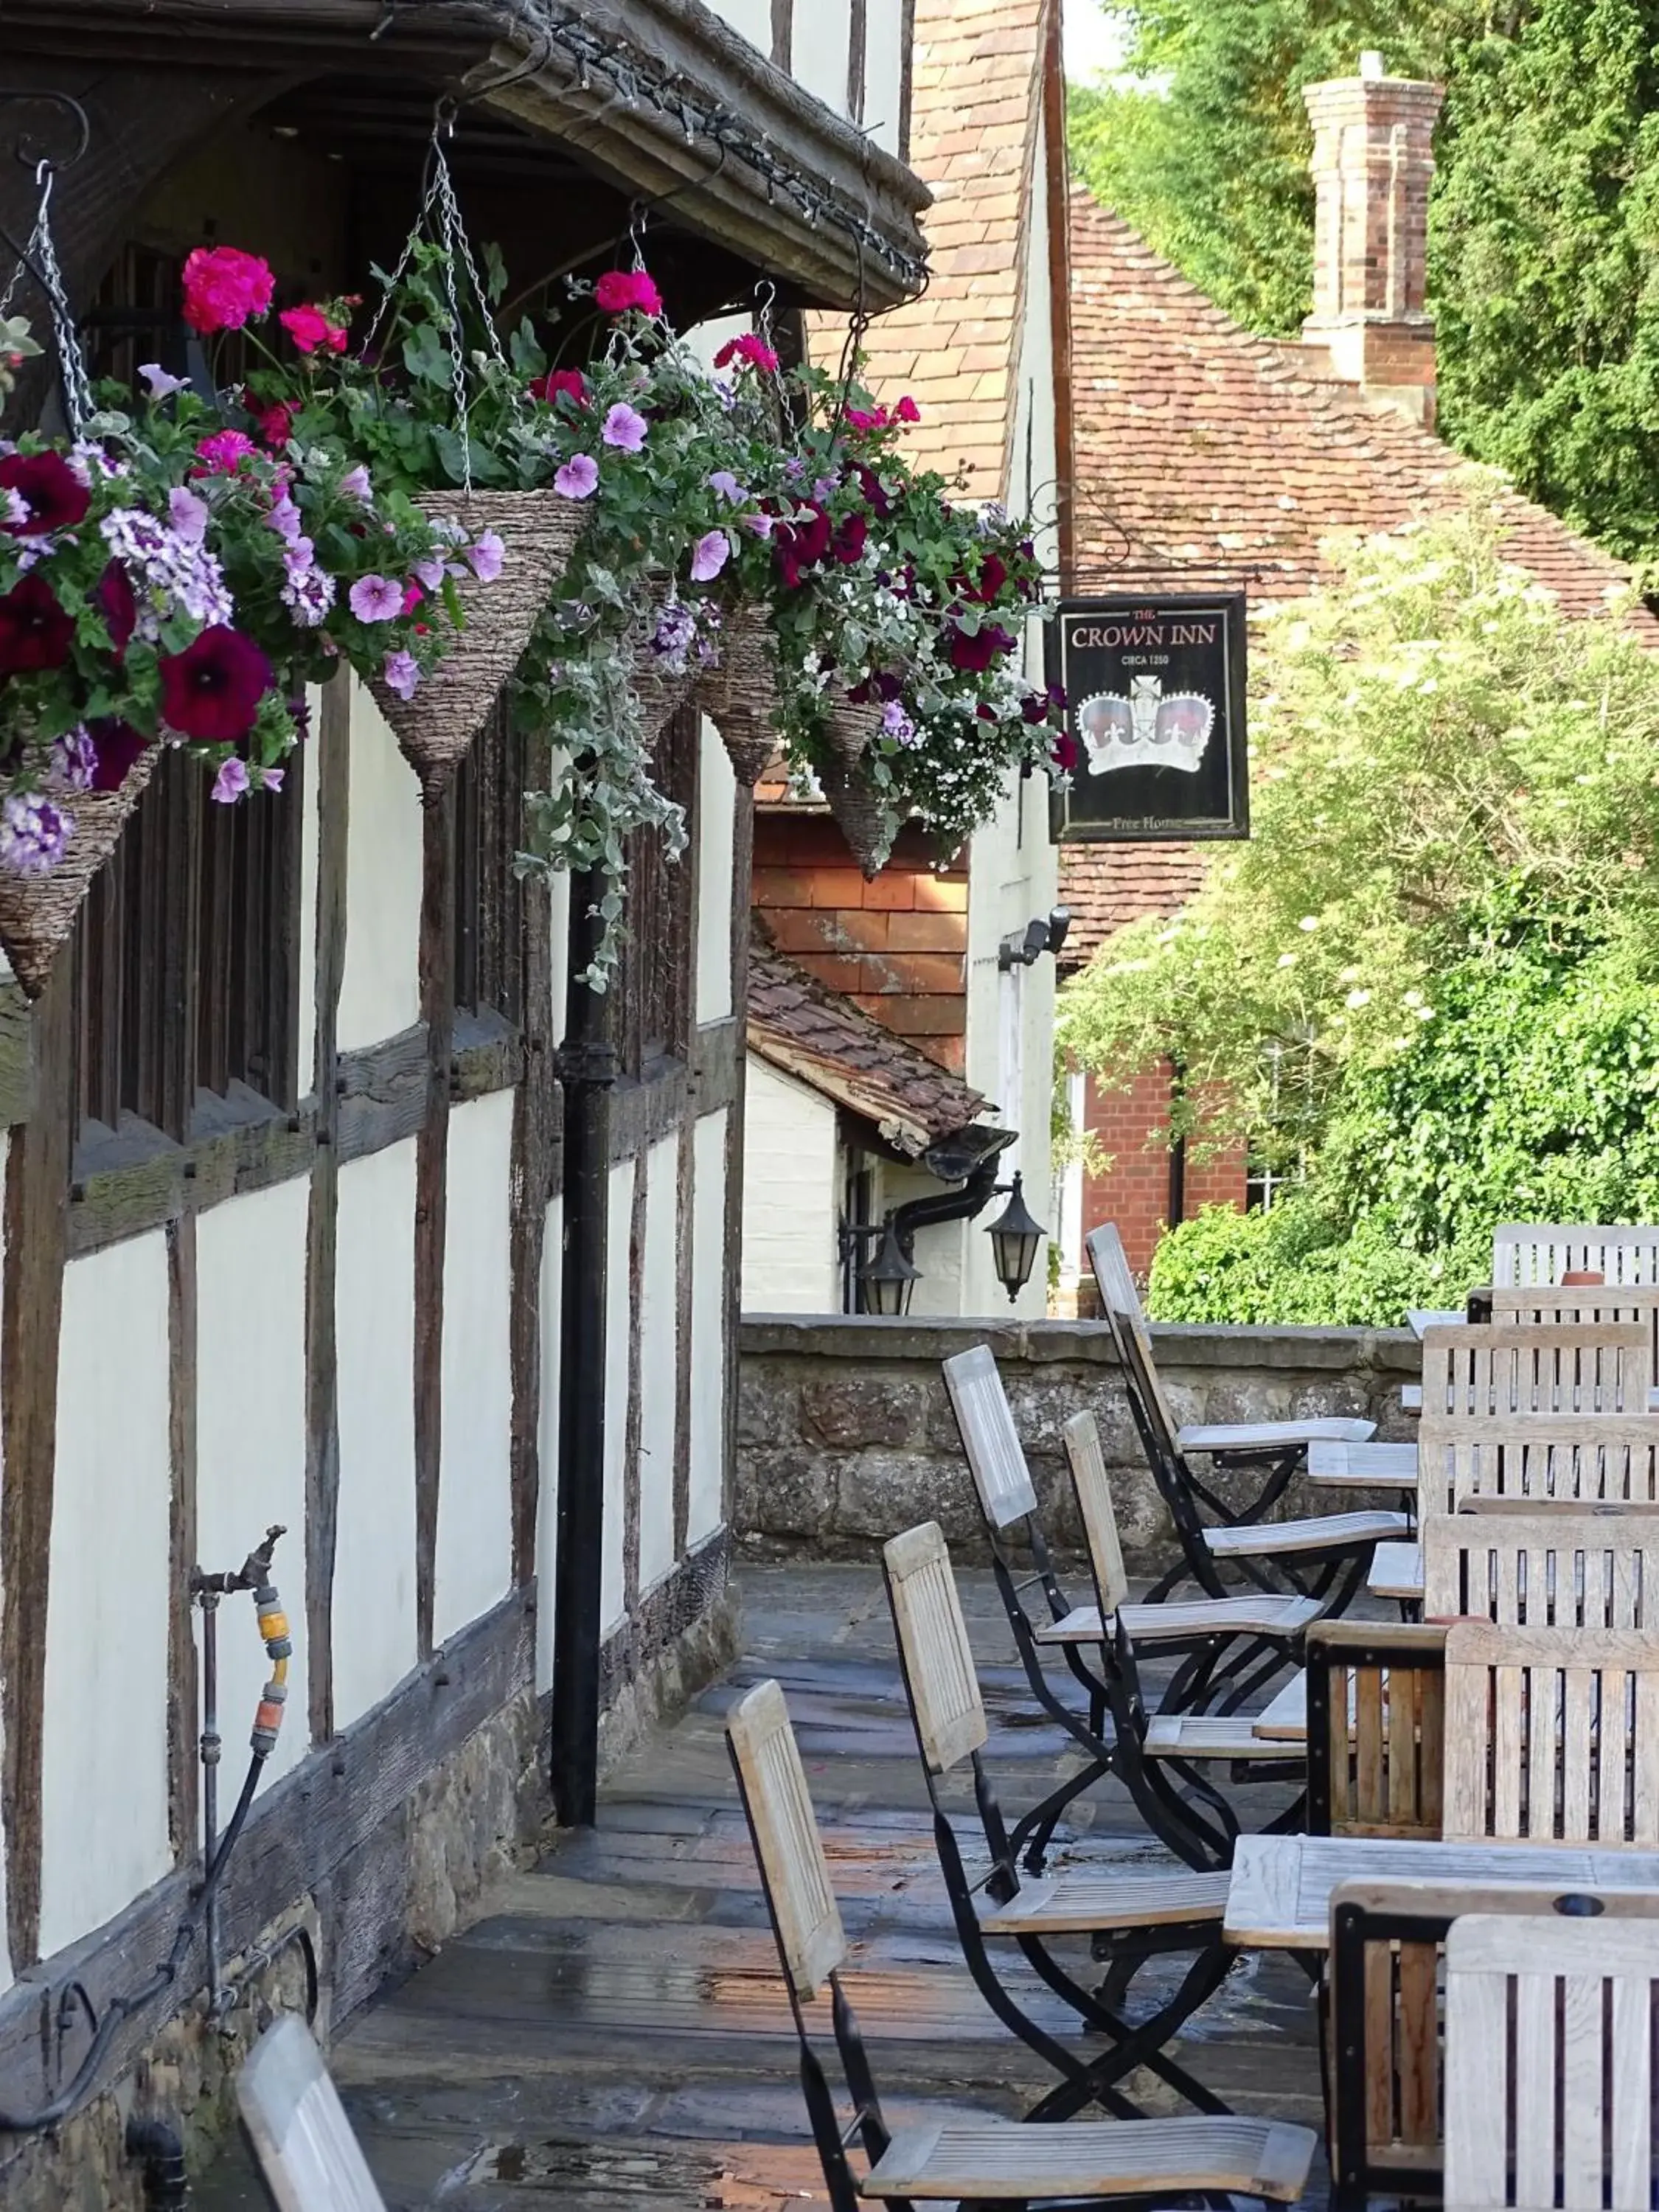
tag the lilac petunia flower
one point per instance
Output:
(376, 598)
(231, 782)
(285, 517)
(898, 724)
(760, 524)
(709, 555)
(402, 672)
(486, 557)
(355, 485)
(271, 779)
(429, 574)
(579, 479)
(625, 428)
(161, 385)
(33, 833)
(190, 515)
(727, 486)
(299, 557)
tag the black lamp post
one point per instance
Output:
(886, 1280)
(1015, 1237)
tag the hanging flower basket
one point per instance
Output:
(37, 913)
(860, 814)
(662, 682)
(851, 730)
(539, 531)
(740, 697)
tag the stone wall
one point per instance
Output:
(845, 1435)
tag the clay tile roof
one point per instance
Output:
(1206, 455)
(976, 131)
(823, 1040)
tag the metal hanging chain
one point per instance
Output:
(41, 258)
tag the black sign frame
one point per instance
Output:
(1196, 643)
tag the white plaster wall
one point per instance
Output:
(659, 1326)
(618, 1332)
(706, 1503)
(381, 993)
(374, 1629)
(474, 1565)
(309, 783)
(251, 1443)
(790, 1196)
(883, 72)
(706, 339)
(717, 796)
(559, 931)
(750, 19)
(104, 1790)
(823, 41)
(547, 1504)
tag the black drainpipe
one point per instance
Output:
(1177, 1153)
(587, 1069)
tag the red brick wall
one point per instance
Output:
(1134, 1190)
(897, 947)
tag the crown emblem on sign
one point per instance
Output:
(1142, 728)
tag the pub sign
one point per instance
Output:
(1155, 707)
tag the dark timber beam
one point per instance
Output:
(437, 973)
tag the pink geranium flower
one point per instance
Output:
(310, 328)
(579, 479)
(624, 426)
(224, 288)
(376, 598)
(746, 348)
(222, 452)
(621, 291)
(907, 410)
(570, 381)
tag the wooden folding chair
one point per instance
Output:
(1553, 1736)
(964, 2160)
(1511, 1371)
(1386, 2100)
(1549, 2060)
(1557, 1305)
(1528, 1253)
(1545, 1564)
(1130, 1918)
(301, 2136)
(1376, 1730)
(1184, 1810)
(1517, 1459)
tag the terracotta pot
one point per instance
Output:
(37, 913)
(540, 530)
(860, 814)
(740, 697)
(1583, 1279)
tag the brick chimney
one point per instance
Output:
(1373, 160)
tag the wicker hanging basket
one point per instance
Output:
(37, 913)
(661, 692)
(539, 530)
(858, 814)
(851, 730)
(740, 697)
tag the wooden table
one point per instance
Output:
(1363, 1466)
(1278, 1896)
(1426, 1317)
(1397, 1572)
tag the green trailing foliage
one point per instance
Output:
(1430, 980)
(1542, 270)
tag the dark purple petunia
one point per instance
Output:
(34, 631)
(975, 654)
(849, 538)
(117, 746)
(55, 496)
(211, 690)
(875, 492)
(113, 594)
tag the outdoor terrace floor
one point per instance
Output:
(614, 2034)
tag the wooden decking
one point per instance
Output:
(614, 2036)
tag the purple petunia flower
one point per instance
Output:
(376, 598)
(271, 779)
(625, 428)
(355, 485)
(429, 574)
(727, 486)
(161, 385)
(898, 724)
(308, 596)
(33, 833)
(285, 517)
(709, 555)
(74, 761)
(402, 672)
(190, 515)
(760, 524)
(579, 479)
(486, 557)
(231, 782)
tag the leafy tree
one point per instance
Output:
(1544, 235)
(1432, 975)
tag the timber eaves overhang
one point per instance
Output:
(665, 102)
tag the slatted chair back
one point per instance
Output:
(1544, 1566)
(940, 1674)
(1586, 1458)
(1119, 1301)
(1524, 1253)
(1552, 1735)
(1549, 2062)
(301, 2137)
(1376, 1730)
(794, 1873)
(1093, 1489)
(989, 1439)
(1475, 1374)
(1542, 1305)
